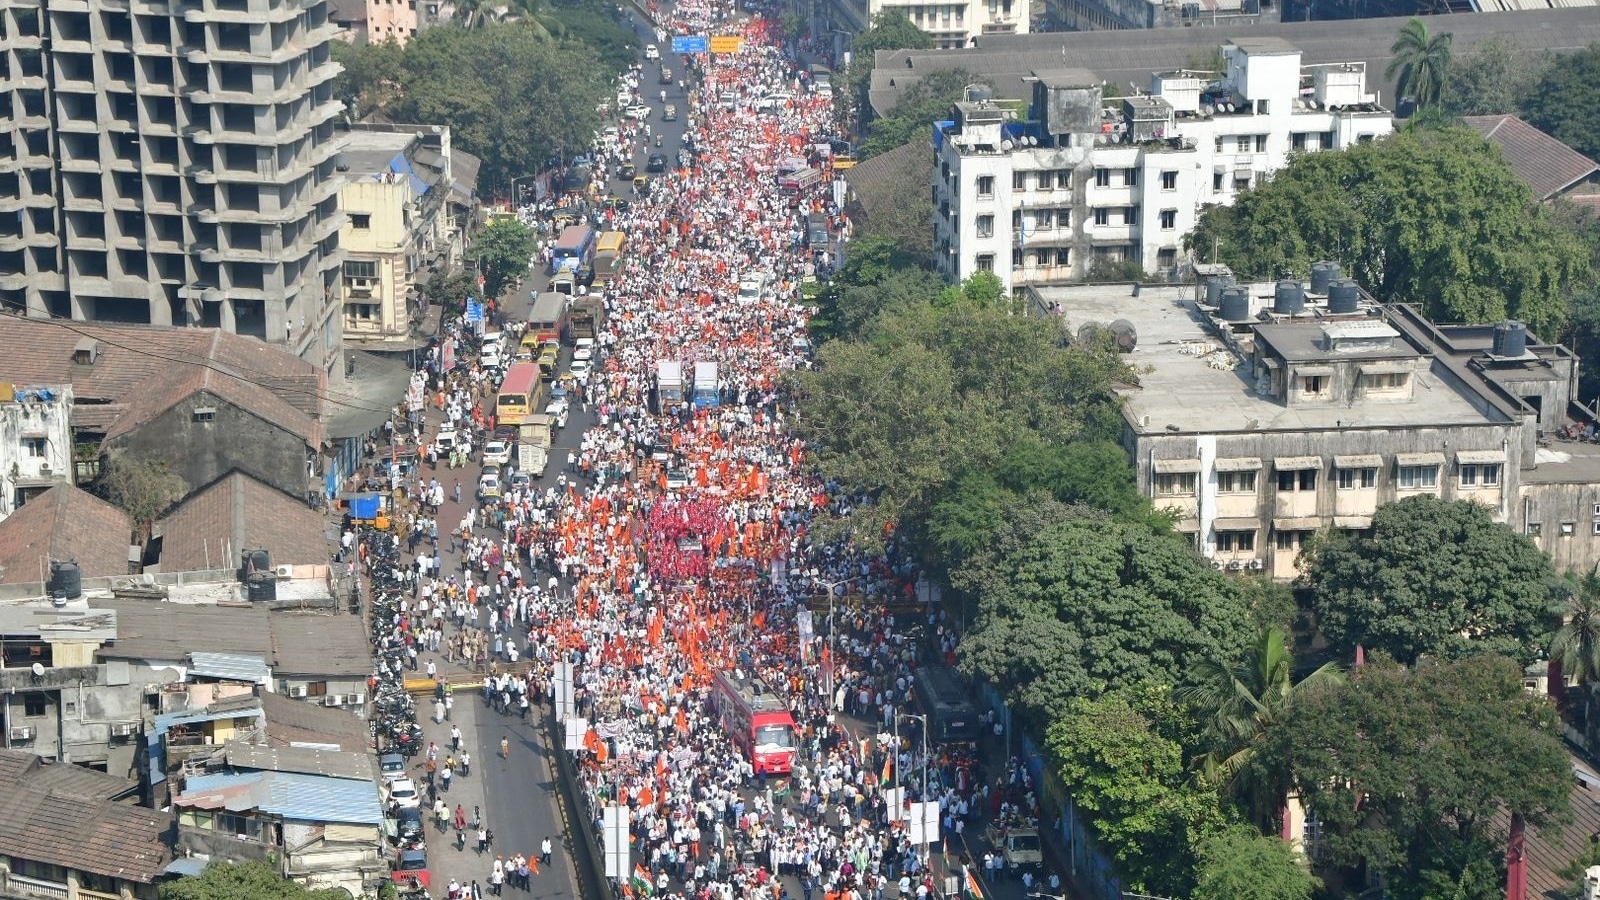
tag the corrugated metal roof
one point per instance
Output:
(165, 721)
(303, 798)
(230, 666)
(329, 763)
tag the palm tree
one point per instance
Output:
(1240, 707)
(1575, 648)
(1420, 62)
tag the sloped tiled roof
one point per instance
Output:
(1544, 163)
(240, 512)
(64, 522)
(886, 179)
(64, 815)
(291, 721)
(140, 370)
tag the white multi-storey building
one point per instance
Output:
(1086, 178)
(36, 450)
(952, 24)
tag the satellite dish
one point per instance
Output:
(1005, 145)
(38, 670)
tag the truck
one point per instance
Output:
(533, 445)
(1019, 844)
(669, 385)
(706, 393)
(587, 318)
(532, 460)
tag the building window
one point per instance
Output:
(985, 187)
(1243, 143)
(1102, 215)
(1064, 179)
(1063, 256)
(1019, 181)
(361, 312)
(1044, 218)
(205, 415)
(1350, 479)
(1568, 528)
(1130, 215)
(1289, 540)
(985, 262)
(1167, 257)
(1384, 381)
(1484, 475)
(361, 268)
(1064, 217)
(1102, 177)
(36, 447)
(1046, 180)
(1236, 541)
(986, 226)
(1130, 177)
(1169, 181)
(1216, 182)
(1236, 482)
(360, 220)
(35, 704)
(1534, 529)
(1414, 478)
(1176, 484)
(1261, 143)
(1313, 384)
(1297, 480)
(1169, 219)
(1297, 141)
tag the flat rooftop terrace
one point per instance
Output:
(1190, 382)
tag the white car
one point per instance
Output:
(637, 111)
(583, 353)
(491, 359)
(496, 453)
(403, 793)
(728, 99)
(774, 100)
(579, 368)
(446, 441)
(624, 98)
(520, 480)
(650, 52)
(557, 407)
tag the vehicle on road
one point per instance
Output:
(520, 394)
(728, 99)
(411, 875)
(579, 369)
(446, 441)
(669, 113)
(666, 76)
(489, 483)
(409, 830)
(392, 766)
(651, 52)
(624, 98)
(497, 452)
(1019, 844)
(520, 480)
(403, 793)
(656, 163)
(637, 111)
(627, 170)
(757, 720)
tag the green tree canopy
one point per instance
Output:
(1495, 76)
(891, 29)
(931, 391)
(1437, 578)
(233, 881)
(1406, 769)
(1125, 763)
(1564, 103)
(1072, 602)
(142, 488)
(502, 250)
(511, 93)
(925, 102)
(1239, 863)
(1429, 216)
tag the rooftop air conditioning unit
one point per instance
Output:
(333, 700)
(22, 734)
(1257, 564)
(44, 469)
(352, 699)
(284, 571)
(1235, 566)
(297, 690)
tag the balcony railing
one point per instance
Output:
(36, 887)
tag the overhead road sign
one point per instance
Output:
(727, 43)
(689, 43)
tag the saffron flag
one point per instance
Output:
(888, 769)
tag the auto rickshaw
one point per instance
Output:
(627, 171)
(641, 182)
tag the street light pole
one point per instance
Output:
(832, 644)
(923, 796)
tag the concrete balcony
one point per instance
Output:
(23, 886)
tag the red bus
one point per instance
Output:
(758, 721)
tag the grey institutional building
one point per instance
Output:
(172, 162)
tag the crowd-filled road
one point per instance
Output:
(675, 550)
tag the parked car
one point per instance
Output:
(489, 483)
(408, 826)
(637, 111)
(496, 453)
(403, 793)
(392, 766)
(579, 369)
(669, 113)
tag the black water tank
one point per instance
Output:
(261, 586)
(1343, 296)
(1124, 335)
(1322, 275)
(66, 580)
(1510, 339)
(257, 561)
(1289, 298)
(1235, 304)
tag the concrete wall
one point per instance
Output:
(1549, 510)
(201, 452)
(35, 419)
(75, 709)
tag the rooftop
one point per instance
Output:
(49, 623)
(291, 722)
(1005, 61)
(64, 522)
(884, 182)
(212, 526)
(306, 761)
(1269, 45)
(142, 370)
(1190, 382)
(291, 795)
(292, 642)
(1545, 164)
(60, 814)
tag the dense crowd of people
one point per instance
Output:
(677, 542)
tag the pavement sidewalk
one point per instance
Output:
(445, 861)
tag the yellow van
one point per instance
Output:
(549, 358)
